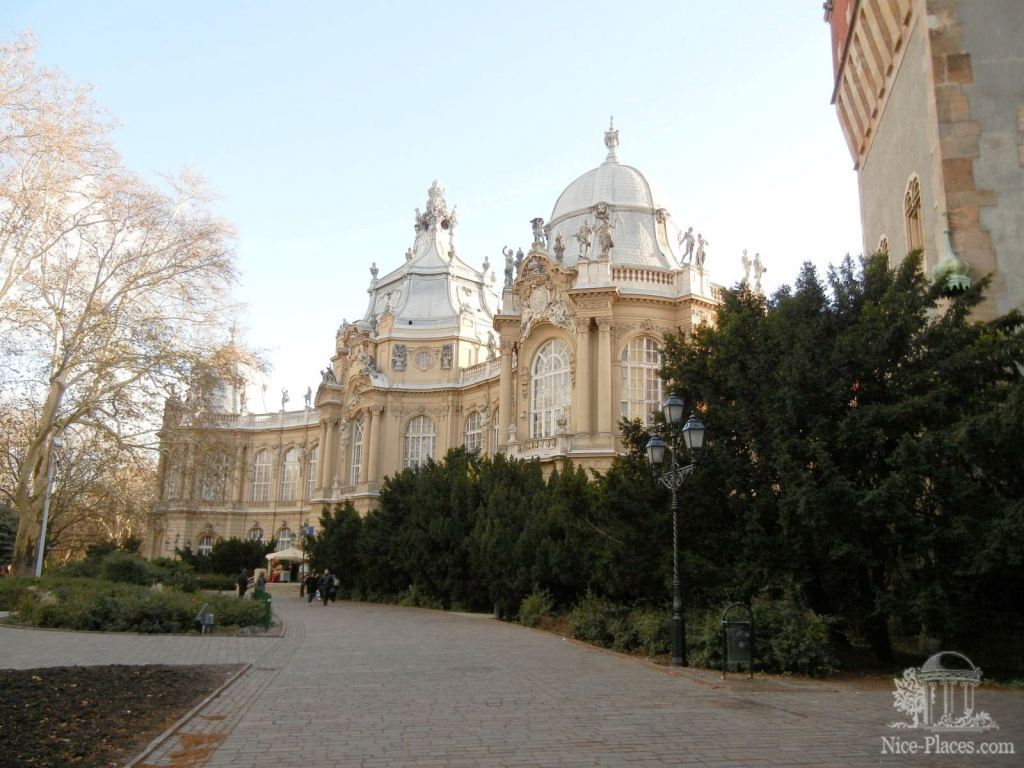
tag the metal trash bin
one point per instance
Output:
(737, 640)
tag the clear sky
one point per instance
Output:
(322, 124)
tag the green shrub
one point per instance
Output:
(11, 589)
(535, 607)
(216, 582)
(596, 621)
(653, 631)
(415, 597)
(90, 604)
(127, 568)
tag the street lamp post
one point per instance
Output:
(692, 434)
(51, 467)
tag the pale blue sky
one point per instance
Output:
(322, 124)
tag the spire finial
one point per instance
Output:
(611, 140)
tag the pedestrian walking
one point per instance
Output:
(243, 583)
(327, 584)
(312, 584)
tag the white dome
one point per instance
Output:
(611, 182)
(644, 234)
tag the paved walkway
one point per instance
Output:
(379, 686)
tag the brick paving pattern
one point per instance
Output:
(379, 686)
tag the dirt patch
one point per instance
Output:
(94, 716)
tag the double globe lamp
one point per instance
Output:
(691, 437)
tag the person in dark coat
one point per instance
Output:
(312, 584)
(243, 583)
(327, 586)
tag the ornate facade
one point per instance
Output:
(541, 365)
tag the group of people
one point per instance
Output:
(323, 587)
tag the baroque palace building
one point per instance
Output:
(930, 97)
(539, 365)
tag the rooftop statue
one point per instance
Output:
(559, 247)
(759, 270)
(328, 375)
(308, 397)
(745, 261)
(373, 270)
(539, 238)
(686, 242)
(701, 253)
(510, 265)
(583, 237)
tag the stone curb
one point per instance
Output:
(181, 721)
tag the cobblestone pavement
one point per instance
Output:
(378, 686)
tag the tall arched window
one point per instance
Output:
(311, 468)
(641, 386)
(420, 438)
(256, 533)
(912, 216)
(474, 432)
(495, 431)
(261, 477)
(205, 546)
(285, 539)
(356, 460)
(291, 471)
(550, 389)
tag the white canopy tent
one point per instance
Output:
(290, 555)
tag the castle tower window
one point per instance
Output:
(205, 545)
(641, 385)
(550, 389)
(291, 470)
(912, 216)
(260, 477)
(474, 432)
(213, 486)
(311, 467)
(356, 463)
(420, 439)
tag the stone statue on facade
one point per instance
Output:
(398, 357)
(701, 252)
(373, 270)
(243, 400)
(284, 397)
(539, 238)
(745, 261)
(492, 346)
(447, 352)
(328, 375)
(686, 243)
(308, 397)
(559, 248)
(759, 270)
(604, 239)
(519, 261)
(583, 237)
(409, 254)
(510, 265)
(487, 264)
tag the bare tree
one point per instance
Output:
(111, 289)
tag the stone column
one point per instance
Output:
(370, 463)
(604, 375)
(505, 414)
(582, 395)
(330, 433)
(322, 462)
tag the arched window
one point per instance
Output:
(912, 216)
(213, 486)
(205, 544)
(495, 431)
(256, 533)
(285, 539)
(311, 467)
(474, 432)
(356, 460)
(291, 470)
(261, 476)
(641, 386)
(420, 438)
(550, 389)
